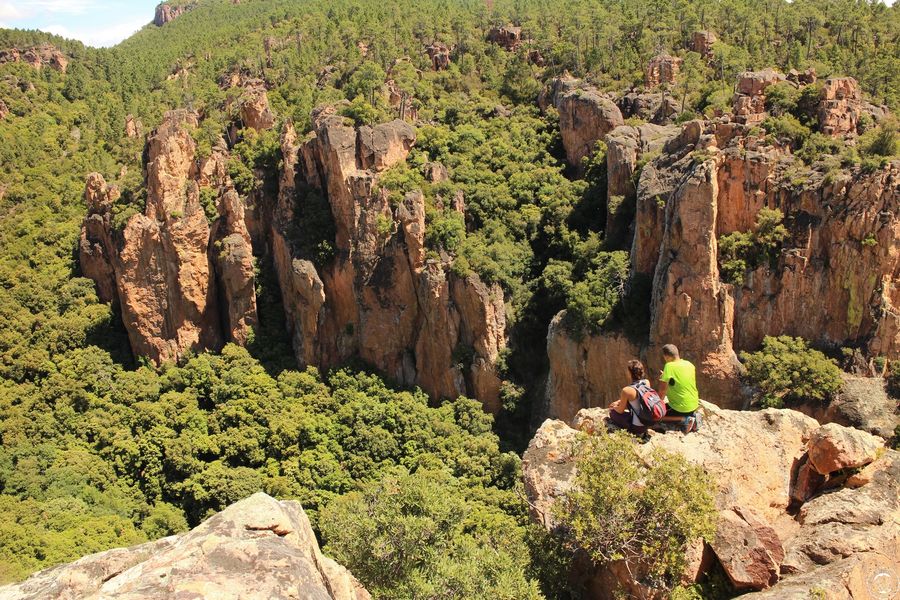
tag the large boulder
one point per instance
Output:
(662, 69)
(840, 106)
(833, 448)
(748, 549)
(585, 117)
(257, 548)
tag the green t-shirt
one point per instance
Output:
(682, 391)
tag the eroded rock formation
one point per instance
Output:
(702, 42)
(167, 12)
(711, 179)
(662, 69)
(840, 106)
(751, 460)
(37, 57)
(509, 37)
(750, 98)
(440, 56)
(380, 299)
(257, 548)
(585, 117)
(161, 267)
(255, 111)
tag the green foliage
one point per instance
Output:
(740, 251)
(881, 141)
(787, 127)
(611, 517)
(590, 302)
(892, 379)
(781, 99)
(787, 371)
(425, 535)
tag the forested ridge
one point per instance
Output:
(100, 449)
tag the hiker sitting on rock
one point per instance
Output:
(638, 406)
(678, 385)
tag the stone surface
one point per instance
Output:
(748, 549)
(840, 106)
(702, 42)
(662, 69)
(749, 98)
(257, 548)
(834, 447)
(751, 459)
(507, 36)
(380, 300)
(160, 268)
(255, 111)
(654, 107)
(440, 56)
(38, 57)
(585, 117)
(166, 12)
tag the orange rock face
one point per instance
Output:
(255, 111)
(509, 37)
(37, 57)
(585, 117)
(840, 106)
(166, 13)
(749, 97)
(702, 42)
(160, 268)
(440, 56)
(832, 284)
(380, 299)
(662, 68)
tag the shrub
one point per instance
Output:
(787, 127)
(590, 302)
(787, 371)
(612, 518)
(423, 535)
(742, 251)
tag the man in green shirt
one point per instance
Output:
(678, 385)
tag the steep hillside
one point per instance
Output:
(267, 245)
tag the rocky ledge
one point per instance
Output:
(801, 506)
(257, 548)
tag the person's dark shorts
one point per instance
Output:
(671, 412)
(623, 421)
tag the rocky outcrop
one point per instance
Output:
(662, 69)
(255, 111)
(168, 12)
(161, 267)
(133, 127)
(751, 461)
(702, 43)
(508, 37)
(440, 56)
(862, 403)
(4, 110)
(654, 107)
(585, 117)
(749, 97)
(380, 299)
(840, 106)
(711, 180)
(38, 57)
(259, 548)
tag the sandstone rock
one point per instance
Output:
(385, 145)
(840, 106)
(807, 77)
(749, 98)
(748, 549)
(553, 93)
(750, 459)
(380, 299)
(834, 447)
(840, 523)
(440, 56)
(37, 57)
(436, 172)
(653, 107)
(509, 37)
(163, 269)
(807, 483)
(258, 548)
(662, 69)
(702, 42)
(4, 110)
(585, 117)
(862, 576)
(166, 13)
(133, 127)
(255, 111)
(862, 403)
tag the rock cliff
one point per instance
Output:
(166, 12)
(165, 267)
(662, 69)
(257, 548)
(766, 532)
(380, 298)
(37, 57)
(711, 179)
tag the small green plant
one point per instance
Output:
(892, 379)
(870, 240)
(787, 371)
(742, 251)
(625, 508)
(208, 198)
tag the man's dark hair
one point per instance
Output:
(636, 368)
(670, 350)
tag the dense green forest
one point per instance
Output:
(98, 449)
